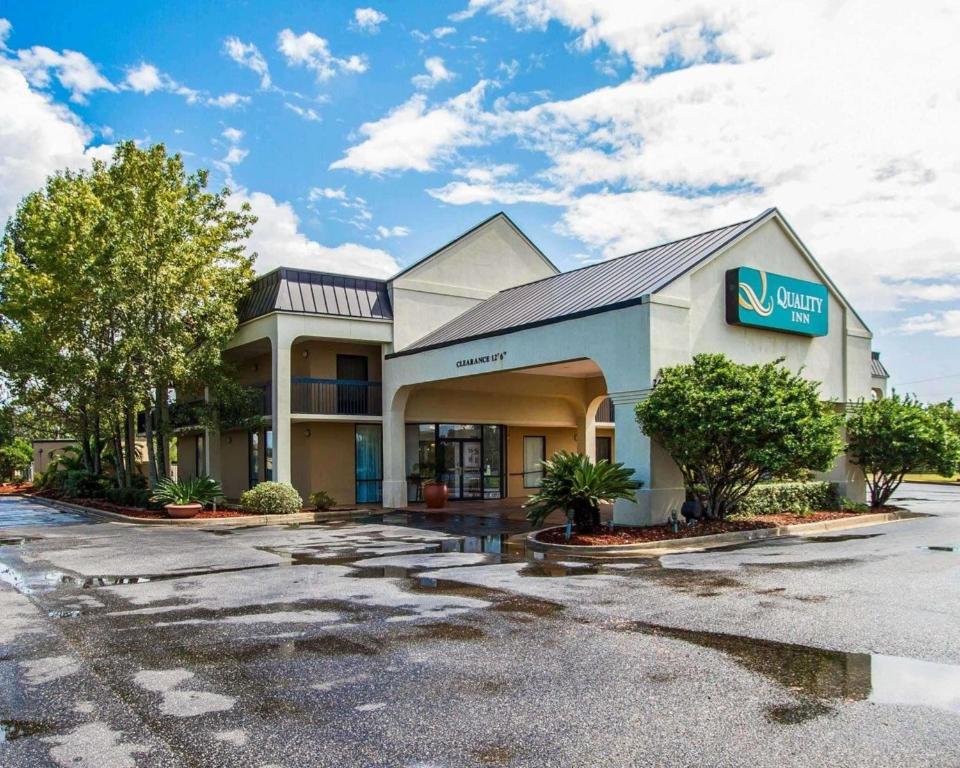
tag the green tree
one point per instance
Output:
(15, 458)
(119, 285)
(575, 485)
(728, 426)
(895, 435)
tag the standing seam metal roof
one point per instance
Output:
(877, 368)
(316, 293)
(597, 287)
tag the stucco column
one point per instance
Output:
(211, 447)
(394, 449)
(280, 407)
(633, 450)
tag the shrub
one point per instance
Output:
(322, 501)
(728, 425)
(195, 490)
(795, 498)
(80, 484)
(272, 498)
(895, 435)
(15, 458)
(576, 486)
(129, 497)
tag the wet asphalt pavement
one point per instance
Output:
(386, 643)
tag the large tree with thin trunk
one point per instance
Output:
(728, 426)
(119, 285)
(893, 436)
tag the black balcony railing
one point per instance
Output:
(335, 397)
(605, 411)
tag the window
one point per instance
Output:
(604, 448)
(534, 452)
(369, 464)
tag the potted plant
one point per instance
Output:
(576, 486)
(185, 498)
(435, 494)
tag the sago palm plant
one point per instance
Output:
(574, 484)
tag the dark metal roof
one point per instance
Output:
(316, 293)
(596, 288)
(876, 367)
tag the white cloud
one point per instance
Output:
(235, 155)
(228, 100)
(414, 136)
(278, 241)
(436, 73)
(397, 231)
(307, 113)
(844, 118)
(144, 78)
(441, 32)
(368, 19)
(5, 29)
(327, 193)
(37, 138)
(74, 71)
(249, 56)
(486, 173)
(313, 52)
(233, 135)
(939, 323)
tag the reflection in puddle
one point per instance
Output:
(11, 730)
(823, 674)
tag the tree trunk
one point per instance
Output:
(118, 460)
(85, 440)
(151, 450)
(131, 440)
(586, 517)
(97, 466)
(163, 431)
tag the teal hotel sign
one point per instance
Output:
(776, 302)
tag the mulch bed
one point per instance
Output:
(15, 489)
(139, 512)
(703, 528)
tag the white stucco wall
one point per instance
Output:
(489, 259)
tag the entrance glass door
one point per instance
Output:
(471, 487)
(451, 467)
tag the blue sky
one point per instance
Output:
(365, 136)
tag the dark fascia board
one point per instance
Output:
(464, 235)
(383, 280)
(644, 299)
(316, 314)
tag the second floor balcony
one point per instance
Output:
(335, 397)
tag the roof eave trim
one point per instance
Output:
(644, 299)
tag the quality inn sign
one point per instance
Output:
(776, 302)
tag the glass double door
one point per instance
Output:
(461, 467)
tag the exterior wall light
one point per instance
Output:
(307, 432)
(306, 353)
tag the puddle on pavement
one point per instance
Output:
(838, 538)
(10, 730)
(17, 541)
(817, 675)
(943, 548)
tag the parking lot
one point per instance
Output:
(383, 642)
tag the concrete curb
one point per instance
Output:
(221, 522)
(695, 543)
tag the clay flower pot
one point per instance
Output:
(435, 494)
(183, 510)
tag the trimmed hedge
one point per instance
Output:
(271, 498)
(799, 498)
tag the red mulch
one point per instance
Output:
(703, 528)
(141, 513)
(11, 489)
